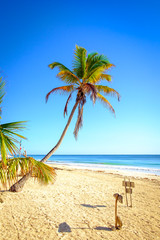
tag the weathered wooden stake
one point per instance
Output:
(118, 222)
(130, 193)
(128, 189)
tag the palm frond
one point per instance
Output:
(8, 138)
(43, 173)
(97, 71)
(3, 149)
(90, 90)
(95, 74)
(96, 65)
(14, 126)
(63, 89)
(105, 102)
(68, 77)
(2, 93)
(94, 60)
(79, 63)
(11, 129)
(106, 77)
(107, 90)
(66, 106)
(79, 122)
(21, 166)
(60, 66)
(90, 58)
(65, 74)
(8, 144)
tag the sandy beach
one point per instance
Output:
(80, 205)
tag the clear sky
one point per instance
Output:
(37, 33)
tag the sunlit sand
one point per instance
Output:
(80, 205)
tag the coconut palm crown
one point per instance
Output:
(84, 79)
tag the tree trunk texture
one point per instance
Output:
(18, 186)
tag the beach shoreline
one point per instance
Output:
(80, 205)
(149, 164)
(109, 170)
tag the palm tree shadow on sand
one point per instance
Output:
(64, 227)
(92, 206)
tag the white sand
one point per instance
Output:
(80, 206)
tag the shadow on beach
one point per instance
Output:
(64, 227)
(92, 206)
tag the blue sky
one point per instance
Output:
(37, 33)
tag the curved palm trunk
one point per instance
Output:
(62, 136)
(17, 187)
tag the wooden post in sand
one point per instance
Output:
(128, 189)
(125, 191)
(118, 222)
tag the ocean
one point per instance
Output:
(140, 163)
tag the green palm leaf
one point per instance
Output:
(18, 126)
(79, 63)
(43, 173)
(106, 77)
(21, 166)
(105, 102)
(64, 89)
(2, 93)
(107, 90)
(68, 77)
(65, 74)
(8, 138)
(91, 58)
(94, 60)
(60, 66)
(95, 75)
(97, 65)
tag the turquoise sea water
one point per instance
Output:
(144, 163)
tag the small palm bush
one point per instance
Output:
(12, 168)
(20, 166)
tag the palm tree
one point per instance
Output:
(88, 71)
(84, 79)
(10, 168)
(24, 167)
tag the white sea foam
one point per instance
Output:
(108, 167)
